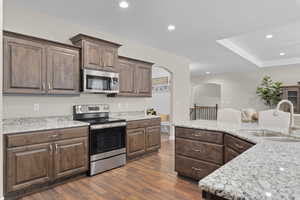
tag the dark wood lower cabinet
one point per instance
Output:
(153, 138)
(70, 157)
(143, 136)
(60, 154)
(200, 152)
(136, 142)
(209, 196)
(193, 168)
(28, 165)
(229, 154)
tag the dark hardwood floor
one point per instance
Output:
(149, 178)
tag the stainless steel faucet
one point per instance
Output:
(291, 105)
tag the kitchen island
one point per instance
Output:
(268, 170)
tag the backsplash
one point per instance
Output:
(40, 106)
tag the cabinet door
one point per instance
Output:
(229, 154)
(28, 165)
(136, 142)
(144, 80)
(153, 138)
(71, 157)
(63, 70)
(109, 58)
(126, 71)
(92, 55)
(24, 66)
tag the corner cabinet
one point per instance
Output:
(96, 53)
(37, 66)
(38, 159)
(135, 77)
(143, 136)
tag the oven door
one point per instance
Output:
(100, 82)
(106, 139)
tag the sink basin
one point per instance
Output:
(272, 135)
(264, 133)
(286, 139)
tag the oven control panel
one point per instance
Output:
(95, 108)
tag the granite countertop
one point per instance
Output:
(133, 115)
(22, 125)
(270, 170)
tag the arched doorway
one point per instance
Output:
(162, 99)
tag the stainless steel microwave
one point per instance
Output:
(95, 81)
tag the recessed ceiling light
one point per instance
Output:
(124, 4)
(207, 72)
(282, 54)
(171, 27)
(269, 36)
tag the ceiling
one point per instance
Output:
(199, 25)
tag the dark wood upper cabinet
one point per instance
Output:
(28, 165)
(126, 71)
(135, 77)
(97, 53)
(24, 66)
(38, 66)
(144, 80)
(62, 70)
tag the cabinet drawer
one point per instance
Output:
(199, 150)
(229, 154)
(29, 138)
(39, 137)
(73, 133)
(143, 123)
(193, 168)
(200, 135)
(237, 144)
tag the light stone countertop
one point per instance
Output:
(268, 171)
(133, 115)
(23, 125)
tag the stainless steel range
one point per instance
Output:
(106, 139)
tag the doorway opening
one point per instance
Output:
(161, 100)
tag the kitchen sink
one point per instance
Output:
(271, 135)
(285, 139)
(263, 133)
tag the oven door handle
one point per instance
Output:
(104, 126)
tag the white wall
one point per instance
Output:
(20, 20)
(238, 90)
(208, 94)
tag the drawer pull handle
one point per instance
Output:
(197, 150)
(54, 136)
(239, 146)
(56, 148)
(197, 135)
(51, 149)
(196, 169)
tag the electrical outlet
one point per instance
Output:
(36, 107)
